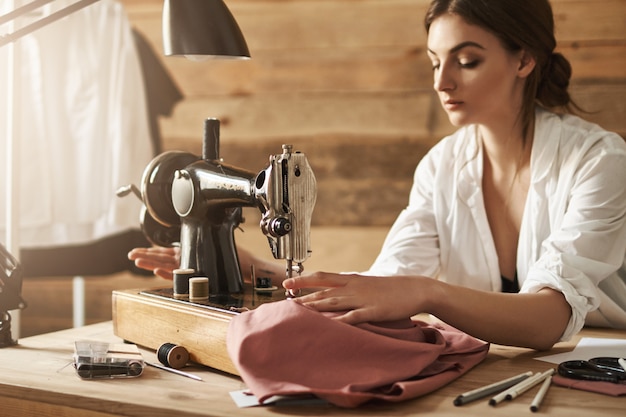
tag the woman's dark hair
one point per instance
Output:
(520, 24)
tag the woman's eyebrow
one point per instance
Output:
(460, 46)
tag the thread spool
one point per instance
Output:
(181, 282)
(172, 355)
(198, 289)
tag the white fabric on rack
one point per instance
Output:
(83, 126)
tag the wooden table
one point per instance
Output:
(36, 380)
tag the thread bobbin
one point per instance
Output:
(181, 282)
(198, 289)
(172, 355)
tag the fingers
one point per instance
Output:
(160, 260)
(155, 251)
(323, 300)
(156, 263)
(357, 316)
(330, 299)
(328, 296)
(164, 273)
(334, 300)
(316, 280)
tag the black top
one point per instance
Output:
(508, 285)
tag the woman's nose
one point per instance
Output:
(443, 79)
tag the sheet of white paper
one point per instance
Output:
(243, 399)
(590, 347)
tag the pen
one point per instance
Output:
(175, 371)
(534, 406)
(481, 392)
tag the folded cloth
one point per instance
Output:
(285, 348)
(600, 387)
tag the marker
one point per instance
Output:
(526, 385)
(534, 406)
(481, 392)
(175, 371)
(503, 395)
(520, 388)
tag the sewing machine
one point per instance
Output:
(197, 203)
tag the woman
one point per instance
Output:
(520, 214)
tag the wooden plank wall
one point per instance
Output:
(348, 82)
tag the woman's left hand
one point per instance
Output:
(363, 298)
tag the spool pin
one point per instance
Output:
(264, 285)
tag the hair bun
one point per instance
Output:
(552, 91)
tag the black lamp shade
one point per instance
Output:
(201, 28)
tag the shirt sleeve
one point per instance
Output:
(412, 244)
(587, 242)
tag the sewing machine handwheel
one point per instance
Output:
(157, 233)
(156, 185)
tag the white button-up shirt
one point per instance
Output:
(573, 232)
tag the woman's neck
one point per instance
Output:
(505, 148)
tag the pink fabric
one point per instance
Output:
(601, 387)
(284, 348)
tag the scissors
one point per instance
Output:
(596, 369)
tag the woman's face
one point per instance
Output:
(476, 78)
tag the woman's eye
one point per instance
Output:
(468, 64)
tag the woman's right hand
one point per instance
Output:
(160, 260)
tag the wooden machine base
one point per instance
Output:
(150, 318)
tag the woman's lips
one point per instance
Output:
(452, 104)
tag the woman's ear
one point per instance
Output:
(526, 64)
